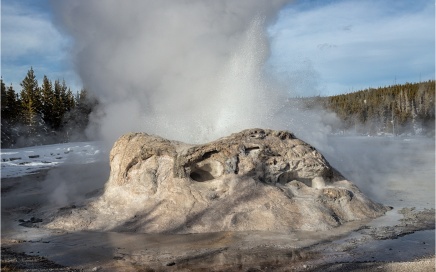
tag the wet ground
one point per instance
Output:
(406, 233)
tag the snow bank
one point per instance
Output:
(23, 161)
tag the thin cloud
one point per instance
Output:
(374, 42)
(30, 39)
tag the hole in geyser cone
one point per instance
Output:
(201, 175)
(286, 177)
(206, 171)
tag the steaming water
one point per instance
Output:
(408, 247)
(395, 171)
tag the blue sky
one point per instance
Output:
(344, 46)
(319, 47)
(29, 38)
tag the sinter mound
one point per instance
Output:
(257, 179)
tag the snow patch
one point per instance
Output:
(24, 161)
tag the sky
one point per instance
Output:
(30, 39)
(316, 47)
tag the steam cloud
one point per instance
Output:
(185, 70)
(194, 71)
(190, 70)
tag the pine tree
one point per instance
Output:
(42, 115)
(85, 105)
(30, 99)
(9, 103)
(71, 104)
(3, 97)
(77, 119)
(13, 105)
(64, 97)
(58, 107)
(5, 128)
(47, 101)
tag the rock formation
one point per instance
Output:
(257, 179)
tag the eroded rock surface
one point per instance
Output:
(257, 179)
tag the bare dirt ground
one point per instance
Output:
(402, 240)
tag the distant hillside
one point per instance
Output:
(399, 109)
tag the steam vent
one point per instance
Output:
(257, 179)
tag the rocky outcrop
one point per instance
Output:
(257, 179)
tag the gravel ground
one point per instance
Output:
(14, 261)
(420, 265)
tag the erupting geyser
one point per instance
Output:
(257, 179)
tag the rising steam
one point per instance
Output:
(185, 70)
(194, 70)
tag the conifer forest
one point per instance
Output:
(43, 114)
(401, 109)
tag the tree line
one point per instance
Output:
(398, 109)
(51, 113)
(45, 114)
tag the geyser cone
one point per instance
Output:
(256, 179)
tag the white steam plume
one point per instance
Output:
(185, 70)
(192, 70)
